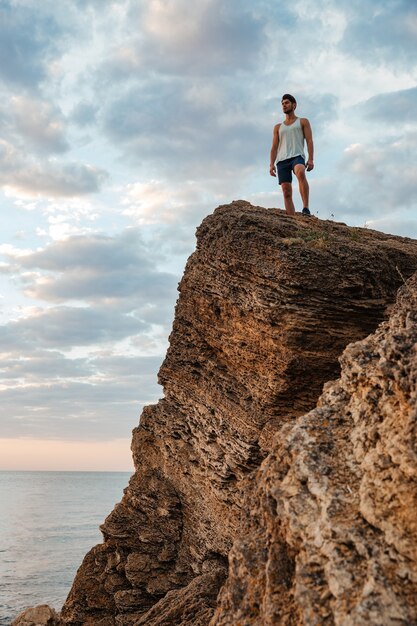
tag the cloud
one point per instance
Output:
(84, 113)
(361, 189)
(41, 365)
(47, 395)
(22, 174)
(384, 32)
(176, 93)
(400, 105)
(76, 369)
(66, 327)
(402, 223)
(156, 202)
(163, 129)
(175, 37)
(369, 165)
(95, 411)
(95, 268)
(28, 42)
(39, 124)
(18, 367)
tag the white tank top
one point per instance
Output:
(291, 141)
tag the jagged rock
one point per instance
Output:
(267, 304)
(334, 505)
(41, 615)
(190, 606)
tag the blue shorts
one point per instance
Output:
(285, 168)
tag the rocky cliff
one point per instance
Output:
(297, 514)
(334, 506)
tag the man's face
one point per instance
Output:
(288, 106)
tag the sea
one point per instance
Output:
(48, 522)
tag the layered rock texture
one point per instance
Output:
(334, 506)
(295, 514)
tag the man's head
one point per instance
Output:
(288, 102)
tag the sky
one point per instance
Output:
(122, 125)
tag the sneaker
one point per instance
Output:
(306, 211)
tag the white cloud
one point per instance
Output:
(156, 202)
(386, 189)
(38, 124)
(206, 37)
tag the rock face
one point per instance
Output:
(267, 304)
(334, 506)
(40, 615)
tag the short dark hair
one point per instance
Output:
(288, 96)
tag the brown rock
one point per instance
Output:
(334, 505)
(267, 304)
(192, 605)
(41, 615)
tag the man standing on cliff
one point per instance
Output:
(288, 153)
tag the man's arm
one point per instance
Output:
(274, 150)
(308, 135)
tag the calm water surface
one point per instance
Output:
(48, 521)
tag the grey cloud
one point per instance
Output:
(84, 114)
(159, 117)
(97, 397)
(177, 37)
(159, 311)
(160, 122)
(67, 327)
(402, 224)
(368, 165)
(125, 251)
(68, 179)
(321, 109)
(332, 199)
(40, 365)
(359, 189)
(381, 33)
(385, 106)
(39, 177)
(95, 411)
(96, 268)
(28, 41)
(39, 124)
(92, 286)
(128, 366)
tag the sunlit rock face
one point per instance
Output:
(267, 304)
(329, 533)
(41, 615)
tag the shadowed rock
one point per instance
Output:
(267, 304)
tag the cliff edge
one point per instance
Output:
(313, 500)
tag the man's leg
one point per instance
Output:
(300, 172)
(288, 203)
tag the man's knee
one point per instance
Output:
(300, 172)
(286, 190)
